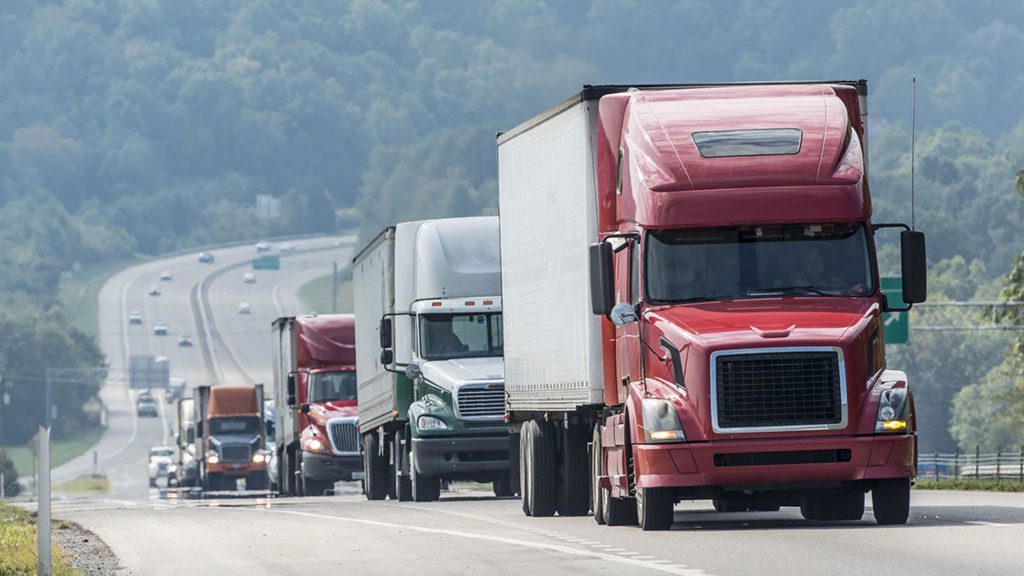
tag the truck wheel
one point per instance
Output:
(539, 486)
(596, 470)
(311, 487)
(618, 511)
(257, 481)
(809, 507)
(374, 467)
(833, 506)
(502, 487)
(402, 482)
(654, 508)
(390, 461)
(890, 500)
(513, 462)
(573, 487)
(729, 505)
(424, 488)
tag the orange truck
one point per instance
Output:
(231, 437)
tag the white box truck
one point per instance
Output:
(429, 358)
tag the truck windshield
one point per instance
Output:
(460, 336)
(727, 263)
(336, 386)
(235, 425)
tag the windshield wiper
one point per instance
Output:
(778, 290)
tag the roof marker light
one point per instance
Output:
(488, 302)
(470, 303)
(435, 303)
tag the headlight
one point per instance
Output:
(212, 458)
(259, 458)
(430, 423)
(893, 410)
(314, 445)
(661, 422)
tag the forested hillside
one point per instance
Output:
(142, 126)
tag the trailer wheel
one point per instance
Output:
(257, 481)
(374, 467)
(502, 487)
(424, 488)
(890, 499)
(618, 511)
(402, 482)
(539, 475)
(513, 464)
(654, 508)
(573, 487)
(596, 470)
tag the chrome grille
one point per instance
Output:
(779, 390)
(235, 453)
(344, 435)
(481, 401)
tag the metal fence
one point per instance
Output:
(1000, 465)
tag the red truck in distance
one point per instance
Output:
(316, 412)
(692, 306)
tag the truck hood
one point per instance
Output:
(450, 374)
(762, 321)
(321, 412)
(222, 439)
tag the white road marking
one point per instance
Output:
(677, 569)
(983, 523)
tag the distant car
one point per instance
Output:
(154, 290)
(263, 246)
(165, 275)
(146, 407)
(287, 248)
(206, 257)
(160, 329)
(135, 317)
(244, 308)
(161, 464)
(249, 278)
(185, 340)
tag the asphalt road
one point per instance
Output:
(949, 533)
(468, 532)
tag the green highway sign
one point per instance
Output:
(897, 324)
(266, 263)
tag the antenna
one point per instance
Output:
(913, 119)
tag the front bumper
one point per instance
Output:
(759, 463)
(331, 467)
(236, 468)
(461, 457)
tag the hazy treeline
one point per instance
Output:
(139, 126)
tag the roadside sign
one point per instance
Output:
(266, 263)
(897, 324)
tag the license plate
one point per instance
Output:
(236, 466)
(358, 475)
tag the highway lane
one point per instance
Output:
(123, 450)
(949, 533)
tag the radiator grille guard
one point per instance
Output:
(480, 401)
(778, 389)
(344, 435)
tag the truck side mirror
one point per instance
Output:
(291, 389)
(304, 408)
(914, 266)
(386, 357)
(199, 429)
(385, 334)
(190, 436)
(413, 372)
(602, 278)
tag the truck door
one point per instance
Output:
(627, 339)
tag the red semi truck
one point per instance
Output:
(316, 414)
(692, 305)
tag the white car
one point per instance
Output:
(244, 308)
(154, 290)
(160, 329)
(249, 278)
(287, 248)
(161, 464)
(165, 275)
(135, 317)
(263, 246)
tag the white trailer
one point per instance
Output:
(428, 358)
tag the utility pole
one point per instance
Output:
(4, 399)
(45, 566)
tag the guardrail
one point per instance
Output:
(999, 465)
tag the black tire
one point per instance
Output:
(540, 496)
(257, 481)
(574, 485)
(618, 511)
(374, 468)
(890, 499)
(424, 488)
(809, 506)
(513, 462)
(729, 505)
(312, 487)
(524, 469)
(655, 508)
(402, 482)
(502, 487)
(596, 470)
(844, 505)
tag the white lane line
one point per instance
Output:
(983, 523)
(677, 570)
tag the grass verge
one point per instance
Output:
(18, 545)
(60, 452)
(80, 292)
(317, 295)
(85, 484)
(987, 485)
